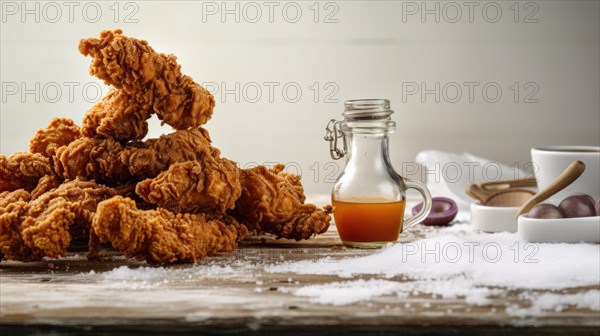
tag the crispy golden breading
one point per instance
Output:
(108, 161)
(273, 202)
(212, 185)
(58, 133)
(23, 170)
(44, 185)
(9, 197)
(45, 229)
(118, 116)
(180, 146)
(133, 66)
(13, 206)
(92, 159)
(163, 200)
(160, 237)
(32, 228)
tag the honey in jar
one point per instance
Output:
(369, 196)
(360, 222)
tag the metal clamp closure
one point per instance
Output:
(332, 134)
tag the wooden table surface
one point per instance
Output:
(71, 295)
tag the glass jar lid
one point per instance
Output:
(365, 116)
(368, 116)
(367, 109)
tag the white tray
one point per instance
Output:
(562, 230)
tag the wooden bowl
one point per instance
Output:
(509, 198)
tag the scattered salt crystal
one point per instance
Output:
(253, 326)
(487, 259)
(343, 293)
(552, 301)
(478, 299)
(259, 283)
(198, 316)
(162, 273)
(458, 262)
(402, 295)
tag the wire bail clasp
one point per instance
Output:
(332, 134)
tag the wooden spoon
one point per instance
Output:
(483, 192)
(530, 181)
(475, 191)
(572, 173)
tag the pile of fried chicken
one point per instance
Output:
(165, 200)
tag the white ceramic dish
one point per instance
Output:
(562, 230)
(550, 161)
(493, 219)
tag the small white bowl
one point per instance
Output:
(493, 219)
(560, 230)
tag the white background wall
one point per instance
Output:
(366, 49)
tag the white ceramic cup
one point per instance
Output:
(551, 161)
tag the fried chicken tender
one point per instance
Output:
(13, 206)
(117, 115)
(10, 197)
(212, 185)
(32, 228)
(92, 159)
(59, 132)
(180, 146)
(133, 66)
(159, 236)
(273, 202)
(108, 161)
(73, 202)
(44, 185)
(23, 170)
(164, 200)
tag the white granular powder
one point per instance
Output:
(457, 262)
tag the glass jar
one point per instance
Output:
(369, 197)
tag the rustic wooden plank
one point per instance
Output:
(72, 292)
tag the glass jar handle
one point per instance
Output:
(427, 202)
